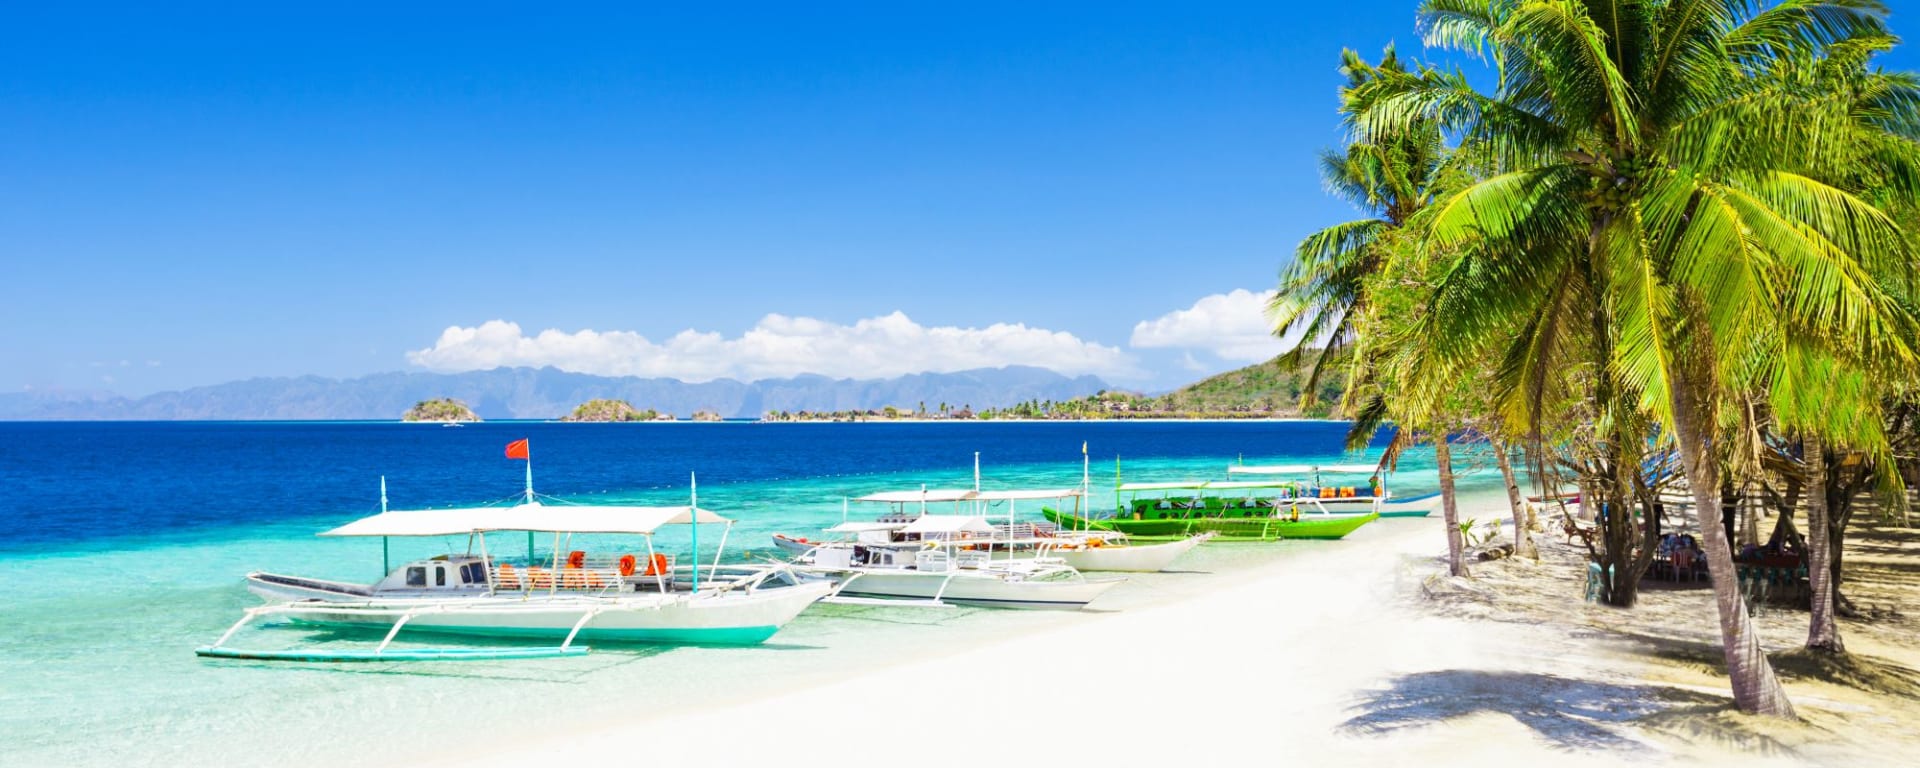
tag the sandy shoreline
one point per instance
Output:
(1326, 654)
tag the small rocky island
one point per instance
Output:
(706, 415)
(444, 409)
(605, 410)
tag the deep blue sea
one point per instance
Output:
(125, 543)
(87, 485)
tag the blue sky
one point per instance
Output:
(199, 194)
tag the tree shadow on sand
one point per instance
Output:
(1571, 714)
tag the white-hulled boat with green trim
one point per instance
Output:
(915, 558)
(628, 597)
(1374, 496)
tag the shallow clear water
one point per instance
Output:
(125, 545)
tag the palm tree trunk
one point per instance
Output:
(1522, 535)
(1756, 690)
(1822, 633)
(1450, 511)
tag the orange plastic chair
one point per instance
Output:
(538, 577)
(508, 578)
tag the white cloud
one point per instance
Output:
(778, 346)
(1232, 325)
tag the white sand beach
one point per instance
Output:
(1324, 656)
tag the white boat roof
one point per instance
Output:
(1207, 485)
(912, 497)
(948, 524)
(1300, 469)
(858, 526)
(1269, 469)
(1059, 493)
(533, 516)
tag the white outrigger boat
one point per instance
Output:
(1084, 550)
(1374, 496)
(939, 560)
(625, 598)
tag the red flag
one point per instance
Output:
(517, 449)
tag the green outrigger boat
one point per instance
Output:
(1234, 510)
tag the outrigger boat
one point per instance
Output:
(624, 598)
(1374, 496)
(939, 560)
(1084, 550)
(1233, 510)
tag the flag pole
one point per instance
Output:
(529, 471)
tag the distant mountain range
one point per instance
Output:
(548, 393)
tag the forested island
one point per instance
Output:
(440, 409)
(1268, 390)
(611, 410)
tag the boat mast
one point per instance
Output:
(693, 498)
(1086, 487)
(386, 564)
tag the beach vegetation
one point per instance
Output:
(1679, 239)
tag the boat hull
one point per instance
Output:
(1119, 558)
(1416, 506)
(1311, 525)
(969, 589)
(1131, 558)
(731, 618)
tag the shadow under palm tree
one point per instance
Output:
(1571, 714)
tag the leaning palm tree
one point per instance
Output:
(1654, 196)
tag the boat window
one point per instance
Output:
(417, 576)
(440, 576)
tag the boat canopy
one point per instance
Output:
(1062, 493)
(911, 497)
(948, 524)
(1208, 485)
(1301, 469)
(862, 527)
(934, 496)
(525, 517)
(1269, 469)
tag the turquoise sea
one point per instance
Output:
(125, 544)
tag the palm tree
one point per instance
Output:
(1653, 199)
(1390, 178)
